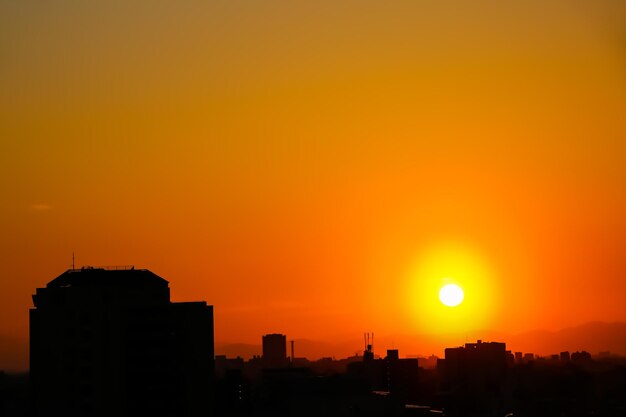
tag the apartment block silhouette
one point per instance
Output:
(109, 342)
(275, 350)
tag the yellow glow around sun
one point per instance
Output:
(450, 290)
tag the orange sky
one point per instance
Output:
(300, 166)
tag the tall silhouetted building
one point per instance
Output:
(484, 359)
(108, 342)
(474, 375)
(275, 350)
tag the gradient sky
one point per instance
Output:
(311, 167)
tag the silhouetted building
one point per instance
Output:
(300, 362)
(389, 376)
(401, 374)
(581, 357)
(474, 374)
(224, 364)
(275, 350)
(510, 358)
(564, 356)
(429, 362)
(488, 359)
(108, 342)
(393, 354)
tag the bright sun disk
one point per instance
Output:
(451, 295)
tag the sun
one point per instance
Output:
(451, 289)
(451, 295)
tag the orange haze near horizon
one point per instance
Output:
(317, 168)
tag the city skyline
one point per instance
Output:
(323, 169)
(111, 341)
(597, 338)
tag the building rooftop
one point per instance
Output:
(113, 276)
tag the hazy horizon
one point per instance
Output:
(584, 337)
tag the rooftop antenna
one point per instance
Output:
(73, 261)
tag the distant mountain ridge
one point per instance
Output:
(593, 337)
(233, 350)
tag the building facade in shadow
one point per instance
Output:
(275, 350)
(474, 376)
(108, 342)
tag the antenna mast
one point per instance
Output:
(73, 267)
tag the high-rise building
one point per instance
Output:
(107, 342)
(275, 350)
(476, 364)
